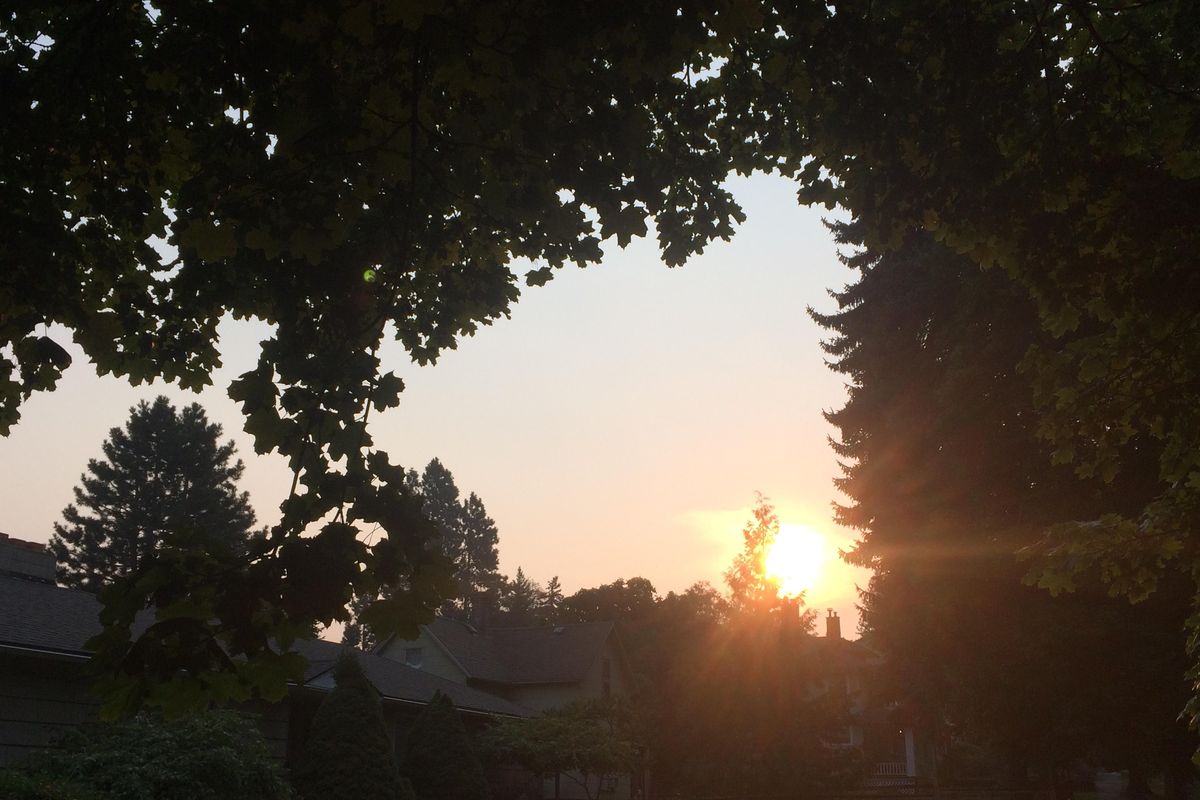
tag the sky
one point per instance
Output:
(618, 424)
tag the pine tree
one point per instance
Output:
(479, 560)
(442, 507)
(164, 473)
(439, 759)
(550, 600)
(519, 600)
(356, 634)
(947, 478)
(348, 753)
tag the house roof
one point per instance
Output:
(540, 655)
(42, 616)
(397, 681)
(47, 618)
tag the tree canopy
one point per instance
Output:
(344, 172)
(372, 168)
(582, 743)
(165, 474)
(947, 480)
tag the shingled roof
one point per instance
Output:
(513, 656)
(42, 616)
(397, 681)
(53, 620)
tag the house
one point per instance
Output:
(887, 740)
(538, 668)
(45, 690)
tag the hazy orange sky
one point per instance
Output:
(617, 425)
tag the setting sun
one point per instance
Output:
(795, 559)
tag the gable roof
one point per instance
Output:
(539, 655)
(50, 619)
(395, 680)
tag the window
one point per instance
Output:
(412, 656)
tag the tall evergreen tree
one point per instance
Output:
(478, 564)
(442, 506)
(519, 600)
(348, 753)
(550, 601)
(439, 759)
(165, 472)
(947, 479)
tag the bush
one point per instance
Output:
(439, 760)
(348, 754)
(17, 785)
(213, 756)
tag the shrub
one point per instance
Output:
(348, 753)
(439, 760)
(212, 756)
(18, 785)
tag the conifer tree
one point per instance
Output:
(439, 759)
(441, 505)
(750, 590)
(519, 600)
(164, 473)
(550, 600)
(480, 557)
(348, 753)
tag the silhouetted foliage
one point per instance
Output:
(337, 196)
(1055, 142)
(519, 601)
(947, 479)
(465, 535)
(750, 590)
(164, 474)
(739, 712)
(17, 784)
(439, 759)
(469, 538)
(550, 601)
(583, 742)
(355, 634)
(622, 600)
(217, 755)
(348, 753)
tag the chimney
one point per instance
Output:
(833, 625)
(22, 559)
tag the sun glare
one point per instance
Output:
(795, 559)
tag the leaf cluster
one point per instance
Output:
(218, 755)
(947, 480)
(581, 741)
